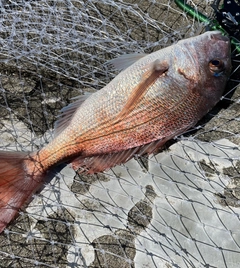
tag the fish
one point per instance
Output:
(154, 98)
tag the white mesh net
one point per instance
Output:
(179, 208)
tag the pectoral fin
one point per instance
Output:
(156, 70)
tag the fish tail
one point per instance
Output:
(20, 177)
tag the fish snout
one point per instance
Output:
(217, 35)
(219, 47)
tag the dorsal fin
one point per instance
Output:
(126, 60)
(67, 114)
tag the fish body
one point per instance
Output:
(156, 98)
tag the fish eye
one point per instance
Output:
(216, 66)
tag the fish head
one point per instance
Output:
(206, 63)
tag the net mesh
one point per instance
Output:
(179, 208)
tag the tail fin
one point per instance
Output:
(19, 180)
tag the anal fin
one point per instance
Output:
(99, 163)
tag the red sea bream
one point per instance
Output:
(157, 97)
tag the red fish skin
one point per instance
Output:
(157, 98)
